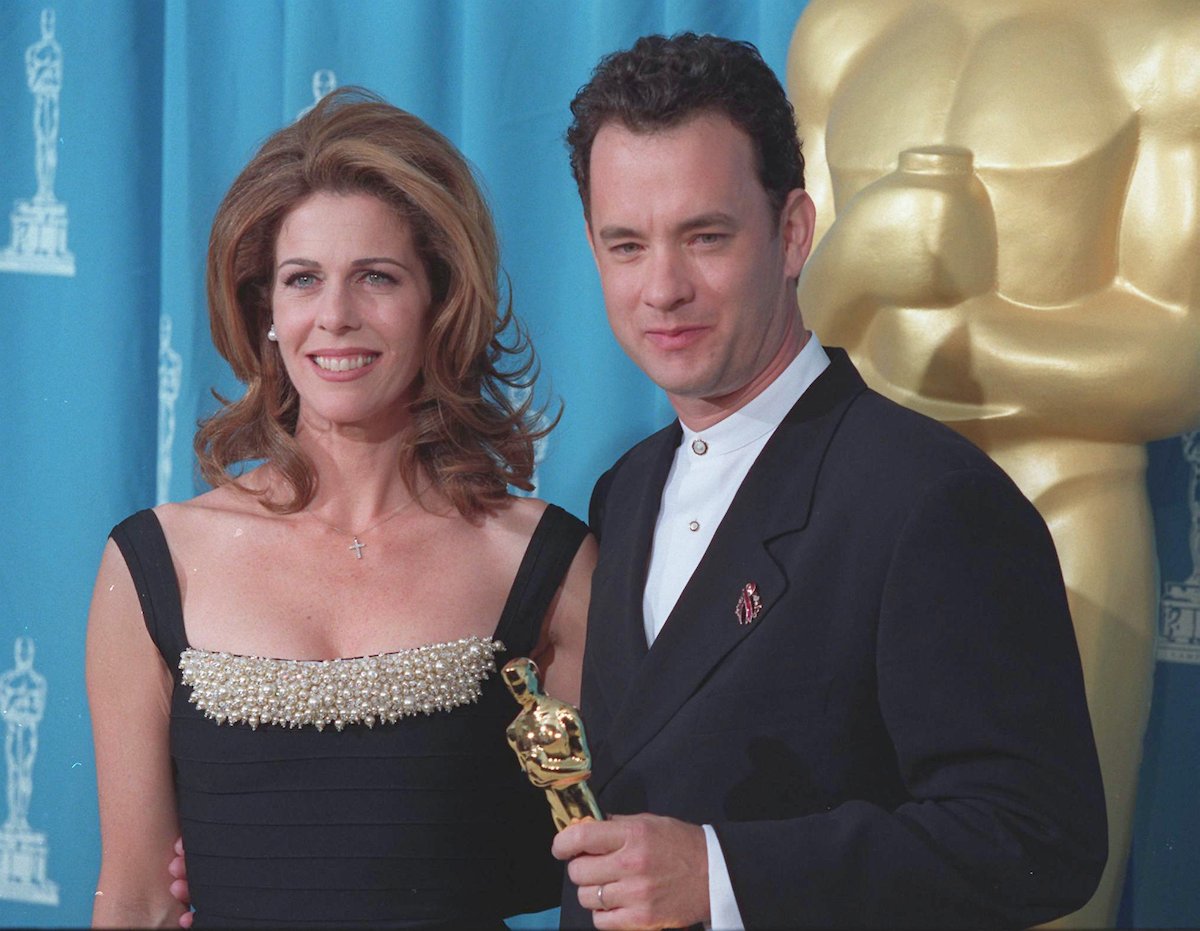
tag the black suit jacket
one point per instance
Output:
(901, 737)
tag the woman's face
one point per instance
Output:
(351, 305)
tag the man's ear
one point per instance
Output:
(797, 221)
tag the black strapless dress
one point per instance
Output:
(412, 813)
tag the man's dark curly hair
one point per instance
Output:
(663, 81)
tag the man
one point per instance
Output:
(831, 678)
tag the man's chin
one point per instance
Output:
(674, 374)
(684, 389)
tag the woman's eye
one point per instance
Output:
(300, 280)
(377, 277)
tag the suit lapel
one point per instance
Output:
(616, 640)
(776, 498)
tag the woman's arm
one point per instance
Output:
(559, 652)
(129, 692)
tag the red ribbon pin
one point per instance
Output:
(749, 605)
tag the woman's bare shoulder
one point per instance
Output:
(521, 515)
(214, 509)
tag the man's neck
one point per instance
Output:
(699, 414)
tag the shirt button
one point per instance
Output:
(693, 525)
(699, 447)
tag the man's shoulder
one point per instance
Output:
(897, 451)
(864, 424)
(910, 432)
(649, 448)
(636, 461)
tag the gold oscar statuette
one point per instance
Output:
(548, 738)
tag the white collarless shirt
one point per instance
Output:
(707, 472)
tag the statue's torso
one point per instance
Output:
(1035, 100)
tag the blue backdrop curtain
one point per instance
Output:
(152, 108)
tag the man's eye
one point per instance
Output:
(708, 239)
(626, 248)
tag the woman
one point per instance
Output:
(296, 669)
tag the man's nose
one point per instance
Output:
(668, 281)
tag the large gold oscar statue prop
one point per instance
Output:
(548, 738)
(1016, 252)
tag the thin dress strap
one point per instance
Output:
(547, 558)
(141, 541)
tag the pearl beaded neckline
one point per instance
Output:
(257, 690)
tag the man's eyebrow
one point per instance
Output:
(691, 224)
(609, 233)
(715, 218)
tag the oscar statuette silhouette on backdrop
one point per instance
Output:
(1015, 252)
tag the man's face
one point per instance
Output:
(698, 270)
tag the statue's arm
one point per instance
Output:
(37, 694)
(573, 727)
(129, 694)
(568, 753)
(1134, 357)
(1114, 366)
(1160, 216)
(1121, 362)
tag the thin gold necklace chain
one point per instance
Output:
(356, 545)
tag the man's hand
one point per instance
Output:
(179, 888)
(638, 871)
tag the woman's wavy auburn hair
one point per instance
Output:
(467, 433)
